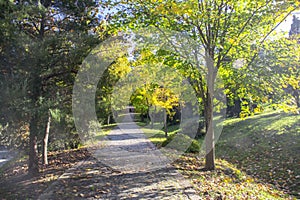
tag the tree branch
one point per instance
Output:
(169, 41)
(47, 77)
(267, 35)
(244, 26)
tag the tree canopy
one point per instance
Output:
(224, 49)
(223, 30)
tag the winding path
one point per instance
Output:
(127, 167)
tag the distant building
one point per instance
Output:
(295, 27)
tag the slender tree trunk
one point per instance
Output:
(152, 120)
(33, 167)
(45, 140)
(199, 130)
(210, 143)
(165, 123)
(153, 114)
(297, 98)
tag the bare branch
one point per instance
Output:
(170, 42)
(244, 26)
(267, 35)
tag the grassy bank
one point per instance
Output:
(267, 147)
(257, 158)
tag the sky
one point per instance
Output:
(286, 25)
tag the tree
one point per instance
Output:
(13, 85)
(154, 95)
(45, 140)
(110, 77)
(223, 29)
(56, 37)
(278, 66)
(141, 99)
(245, 93)
(164, 98)
(156, 89)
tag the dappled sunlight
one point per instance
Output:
(14, 178)
(264, 147)
(287, 124)
(226, 181)
(158, 140)
(250, 164)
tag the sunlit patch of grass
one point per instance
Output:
(175, 140)
(107, 128)
(284, 124)
(265, 146)
(142, 124)
(157, 141)
(157, 136)
(226, 182)
(258, 156)
(98, 136)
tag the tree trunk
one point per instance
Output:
(153, 114)
(297, 98)
(209, 142)
(165, 123)
(45, 140)
(151, 119)
(108, 120)
(33, 167)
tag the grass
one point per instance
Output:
(257, 158)
(157, 135)
(265, 146)
(104, 130)
(226, 181)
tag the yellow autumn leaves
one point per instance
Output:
(167, 8)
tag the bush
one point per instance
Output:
(194, 147)
(182, 142)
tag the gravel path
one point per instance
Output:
(127, 167)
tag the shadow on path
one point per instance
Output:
(127, 167)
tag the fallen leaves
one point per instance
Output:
(15, 184)
(226, 182)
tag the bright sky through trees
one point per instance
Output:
(286, 25)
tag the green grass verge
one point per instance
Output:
(262, 150)
(267, 146)
(97, 137)
(226, 181)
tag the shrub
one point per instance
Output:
(182, 142)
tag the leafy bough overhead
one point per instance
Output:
(226, 30)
